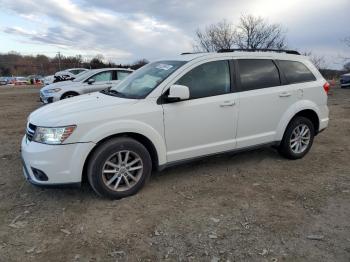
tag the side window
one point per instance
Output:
(209, 79)
(78, 71)
(103, 76)
(258, 73)
(122, 74)
(295, 72)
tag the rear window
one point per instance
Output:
(296, 72)
(258, 73)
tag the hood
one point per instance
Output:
(68, 111)
(61, 84)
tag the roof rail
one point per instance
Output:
(292, 52)
(192, 53)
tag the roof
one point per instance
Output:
(111, 68)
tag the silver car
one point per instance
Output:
(85, 82)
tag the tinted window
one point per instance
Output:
(122, 74)
(258, 73)
(295, 72)
(209, 79)
(103, 76)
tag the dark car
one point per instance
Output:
(345, 80)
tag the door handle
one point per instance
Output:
(227, 103)
(285, 94)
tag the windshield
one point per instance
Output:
(144, 80)
(81, 76)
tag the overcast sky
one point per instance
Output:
(126, 30)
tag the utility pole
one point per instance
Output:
(59, 60)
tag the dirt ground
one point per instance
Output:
(252, 206)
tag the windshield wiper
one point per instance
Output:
(112, 92)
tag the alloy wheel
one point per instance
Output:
(300, 139)
(122, 170)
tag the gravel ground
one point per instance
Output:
(252, 206)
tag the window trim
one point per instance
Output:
(238, 74)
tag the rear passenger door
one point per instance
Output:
(262, 101)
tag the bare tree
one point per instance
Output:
(256, 33)
(251, 33)
(346, 41)
(347, 66)
(317, 60)
(139, 63)
(215, 37)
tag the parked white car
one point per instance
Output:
(86, 82)
(49, 79)
(68, 74)
(176, 110)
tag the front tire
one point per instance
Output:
(68, 95)
(298, 138)
(119, 168)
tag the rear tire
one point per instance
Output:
(297, 139)
(119, 168)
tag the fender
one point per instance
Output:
(116, 127)
(291, 112)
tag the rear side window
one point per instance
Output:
(122, 74)
(209, 79)
(258, 73)
(295, 72)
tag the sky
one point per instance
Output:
(124, 31)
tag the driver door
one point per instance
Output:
(206, 123)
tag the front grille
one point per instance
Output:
(30, 131)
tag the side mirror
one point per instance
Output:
(91, 81)
(178, 93)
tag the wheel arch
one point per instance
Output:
(69, 92)
(138, 137)
(306, 109)
(312, 116)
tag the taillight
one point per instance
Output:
(326, 87)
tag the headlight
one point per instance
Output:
(54, 90)
(52, 135)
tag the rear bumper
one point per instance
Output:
(323, 124)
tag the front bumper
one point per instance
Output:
(62, 164)
(47, 99)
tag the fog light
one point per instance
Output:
(39, 175)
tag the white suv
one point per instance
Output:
(175, 110)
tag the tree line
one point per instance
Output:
(16, 64)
